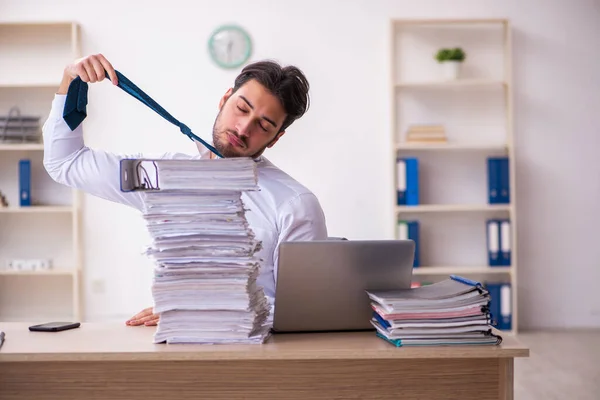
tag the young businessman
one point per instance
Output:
(253, 115)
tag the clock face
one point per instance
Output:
(230, 46)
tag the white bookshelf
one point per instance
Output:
(33, 57)
(476, 112)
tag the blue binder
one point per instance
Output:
(400, 182)
(504, 180)
(493, 242)
(412, 181)
(24, 183)
(498, 180)
(500, 305)
(505, 317)
(413, 234)
(407, 181)
(493, 181)
(409, 230)
(494, 289)
(505, 242)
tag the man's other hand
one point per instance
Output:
(144, 317)
(91, 69)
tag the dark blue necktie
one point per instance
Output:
(76, 102)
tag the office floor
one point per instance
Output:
(562, 365)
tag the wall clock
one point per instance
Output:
(230, 46)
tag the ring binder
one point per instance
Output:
(135, 176)
(153, 174)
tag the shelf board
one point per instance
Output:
(453, 208)
(434, 22)
(457, 270)
(451, 83)
(35, 23)
(37, 209)
(451, 146)
(21, 146)
(50, 272)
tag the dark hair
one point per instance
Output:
(287, 83)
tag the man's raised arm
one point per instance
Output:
(66, 157)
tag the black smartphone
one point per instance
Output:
(54, 326)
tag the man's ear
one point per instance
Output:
(275, 139)
(226, 96)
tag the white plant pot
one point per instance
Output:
(451, 70)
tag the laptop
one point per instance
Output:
(321, 284)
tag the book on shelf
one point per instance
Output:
(431, 133)
(455, 311)
(205, 276)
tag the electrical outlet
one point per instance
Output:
(98, 286)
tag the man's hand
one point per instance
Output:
(144, 317)
(90, 69)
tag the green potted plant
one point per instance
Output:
(451, 60)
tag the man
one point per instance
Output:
(253, 115)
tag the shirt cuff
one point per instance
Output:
(58, 105)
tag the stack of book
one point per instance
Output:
(205, 282)
(426, 134)
(454, 311)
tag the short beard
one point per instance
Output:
(227, 150)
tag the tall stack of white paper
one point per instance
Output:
(204, 286)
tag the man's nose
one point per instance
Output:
(243, 127)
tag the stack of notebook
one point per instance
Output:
(451, 312)
(204, 286)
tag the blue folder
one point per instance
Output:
(504, 180)
(505, 317)
(505, 242)
(409, 230)
(24, 183)
(493, 242)
(413, 234)
(407, 181)
(500, 305)
(400, 181)
(412, 181)
(498, 180)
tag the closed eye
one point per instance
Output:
(245, 111)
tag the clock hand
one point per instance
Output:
(229, 46)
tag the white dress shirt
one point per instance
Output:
(283, 209)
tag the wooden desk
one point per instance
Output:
(113, 361)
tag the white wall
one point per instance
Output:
(340, 148)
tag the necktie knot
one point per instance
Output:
(186, 130)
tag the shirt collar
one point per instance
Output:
(205, 154)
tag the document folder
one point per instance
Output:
(138, 174)
(145, 174)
